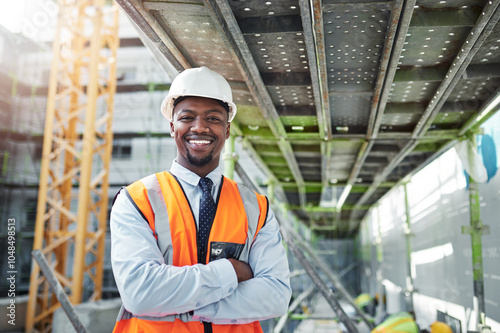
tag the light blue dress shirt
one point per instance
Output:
(150, 287)
(189, 182)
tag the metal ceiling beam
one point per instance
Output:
(388, 64)
(436, 154)
(357, 4)
(479, 33)
(318, 209)
(381, 177)
(358, 188)
(250, 150)
(419, 108)
(485, 24)
(222, 14)
(131, 42)
(317, 60)
(223, 17)
(429, 74)
(313, 31)
(155, 33)
(463, 131)
(401, 17)
(316, 56)
(351, 93)
(483, 113)
(386, 73)
(326, 152)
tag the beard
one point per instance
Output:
(199, 162)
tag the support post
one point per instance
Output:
(230, 157)
(476, 230)
(408, 235)
(271, 187)
(380, 259)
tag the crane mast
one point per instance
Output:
(72, 207)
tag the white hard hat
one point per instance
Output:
(200, 82)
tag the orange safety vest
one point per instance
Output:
(240, 215)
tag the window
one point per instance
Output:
(4, 162)
(37, 151)
(30, 208)
(122, 149)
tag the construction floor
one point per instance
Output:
(321, 324)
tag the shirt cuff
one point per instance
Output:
(205, 313)
(227, 276)
(229, 283)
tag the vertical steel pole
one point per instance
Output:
(271, 187)
(476, 230)
(408, 235)
(229, 157)
(380, 259)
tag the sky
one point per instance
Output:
(34, 19)
(12, 17)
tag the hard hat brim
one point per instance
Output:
(167, 106)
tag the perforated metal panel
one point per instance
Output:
(432, 45)
(350, 113)
(293, 96)
(338, 93)
(278, 52)
(354, 38)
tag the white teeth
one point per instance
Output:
(199, 141)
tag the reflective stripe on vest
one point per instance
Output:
(161, 201)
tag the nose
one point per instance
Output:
(199, 125)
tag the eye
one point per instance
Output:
(213, 118)
(185, 118)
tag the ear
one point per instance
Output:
(172, 129)
(228, 130)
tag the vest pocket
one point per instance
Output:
(219, 250)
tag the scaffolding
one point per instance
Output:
(72, 205)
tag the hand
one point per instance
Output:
(242, 269)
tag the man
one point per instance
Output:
(191, 250)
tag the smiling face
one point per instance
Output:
(200, 128)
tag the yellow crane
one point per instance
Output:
(72, 206)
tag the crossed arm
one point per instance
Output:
(223, 291)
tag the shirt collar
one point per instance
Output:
(193, 179)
